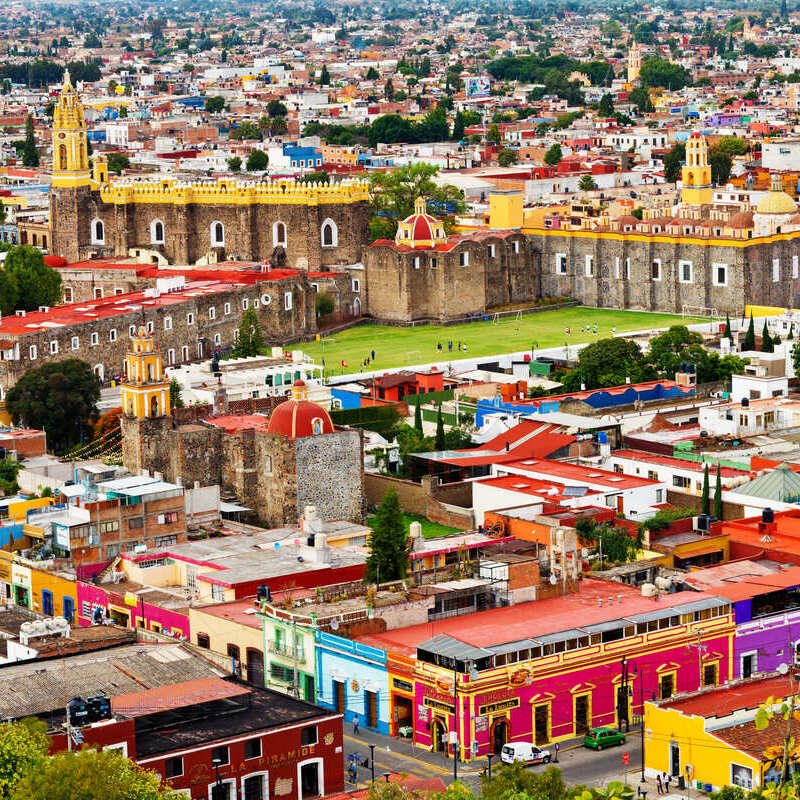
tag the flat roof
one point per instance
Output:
(591, 476)
(176, 695)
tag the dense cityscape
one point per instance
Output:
(399, 401)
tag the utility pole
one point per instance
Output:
(455, 720)
(295, 685)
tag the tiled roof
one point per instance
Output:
(779, 484)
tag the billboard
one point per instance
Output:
(477, 86)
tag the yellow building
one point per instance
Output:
(145, 390)
(634, 63)
(505, 210)
(709, 736)
(70, 156)
(696, 172)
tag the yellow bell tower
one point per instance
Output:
(696, 172)
(70, 155)
(634, 62)
(145, 390)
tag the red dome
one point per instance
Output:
(297, 418)
(55, 262)
(422, 232)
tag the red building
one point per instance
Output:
(218, 739)
(394, 387)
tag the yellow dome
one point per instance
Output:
(776, 203)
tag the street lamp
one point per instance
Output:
(372, 760)
(217, 762)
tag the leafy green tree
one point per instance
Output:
(324, 76)
(215, 105)
(59, 398)
(388, 546)
(515, 781)
(506, 157)
(23, 748)
(323, 304)
(727, 334)
(749, 342)
(418, 414)
(257, 161)
(608, 362)
(658, 72)
(235, 164)
(440, 440)
(553, 155)
(706, 498)
(278, 126)
(91, 775)
(606, 107)
(30, 155)
(372, 74)
(673, 161)
(276, 109)
(458, 127)
(318, 176)
(493, 135)
(9, 468)
(766, 340)
(247, 130)
(175, 396)
(249, 342)
(640, 97)
(721, 163)
(388, 89)
(118, 162)
(718, 494)
(587, 183)
(34, 283)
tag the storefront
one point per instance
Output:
(21, 586)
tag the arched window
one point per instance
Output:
(330, 234)
(157, 232)
(217, 234)
(62, 156)
(316, 426)
(98, 232)
(279, 234)
(154, 406)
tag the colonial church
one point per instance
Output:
(169, 221)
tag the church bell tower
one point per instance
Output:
(70, 151)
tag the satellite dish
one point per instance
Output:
(783, 668)
(335, 625)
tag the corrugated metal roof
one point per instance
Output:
(447, 646)
(780, 484)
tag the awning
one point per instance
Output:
(703, 551)
(231, 508)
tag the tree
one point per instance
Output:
(324, 76)
(515, 782)
(766, 340)
(118, 162)
(175, 396)
(276, 109)
(718, 494)
(440, 442)
(249, 341)
(318, 176)
(215, 104)
(506, 157)
(493, 135)
(30, 155)
(257, 161)
(23, 748)
(89, 775)
(235, 164)
(9, 468)
(59, 398)
(458, 127)
(31, 281)
(640, 97)
(324, 304)
(388, 89)
(658, 72)
(278, 126)
(721, 163)
(706, 499)
(108, 422)
(673, 161)
(372, 74)
(749, 342)
(606, 107)
(608, 362)
(587, 183)
(418, 414)
(554, 155)
(727, 334)
(388, 546)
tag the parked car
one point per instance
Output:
(598, 738)
(525, 752)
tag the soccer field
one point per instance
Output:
(400, 347)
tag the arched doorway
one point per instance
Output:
(437, 736)
(153, 406)
(356, 307)
(99, 370)
(499, 735)
(255, 666)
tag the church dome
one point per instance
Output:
(54, 261)
(776, 201)
(420, 229)
(299, 417)
(742, 219)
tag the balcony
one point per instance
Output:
(287, 651)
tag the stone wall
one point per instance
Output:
(82, 285)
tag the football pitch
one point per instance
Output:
(400, 347)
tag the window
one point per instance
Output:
(118, 290)
(795, 266)
(245, 303)
(308, 735)
(491, 251)
(217, 592)
(589, 267)
(776, 270)
(53, 347)
(627, 269)
(681, 482)
(67, 294)
(516, 247)
(98, 292)
(173, 767)
(279, 234)
(685, 271)
(112, 335)
(150, 327)
(135, 523)
(226, 309)
(434, 263)
(132, 330)
(217, 234)
(463, 259)
(417, 262)
(185, 353)
(655, 270)
(32, 352)
(561, 263)
(287, 301)
(659, 495)
(356, 285)
(165, 541)
(252, 748)
(94, 339)
(204, 641)
(157, 232)
(212, 313)
(190, 319)
(220, 756)
(167, 323)
(329, 234)
(720, 274)
(98, 232)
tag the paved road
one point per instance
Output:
(577, 764)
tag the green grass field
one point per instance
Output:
(430, 530)
(400, 347)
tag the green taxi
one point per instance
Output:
(598, 738)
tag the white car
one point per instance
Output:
(525, 752)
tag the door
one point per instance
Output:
(338, 696)
(308, 689)
(581, 714)
(674, 759)
(437, 736)
(371, 709)
(499, 736)
(666, 686)
(47, 603)
(309, 780)
(69, 610)
(221, 791)
(620, 504)
(748, 665)
(541, 724)
(254, 788)
(255, 666)
(710, 675)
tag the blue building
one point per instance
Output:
(352, 679)
(303, 157)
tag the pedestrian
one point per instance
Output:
(465, 347)
(439, 346)
(582, 329)
(614, 331)
(450, 346)
(355, 725)
(667, 781)
(659, 785)
(459, 347)
(372, 355)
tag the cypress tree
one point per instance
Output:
(440, 444)
(749, 342)
(30, 155)
(418, 415)
(706, 502)
(388, 546)
(727, 333)
(766, 340)
(790, 335)
(718, 495)
(249, 341)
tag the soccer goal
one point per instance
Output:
(496, 319)
(700, 311)
(413, 357)
(328, 340)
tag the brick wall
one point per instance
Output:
(695, 502)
